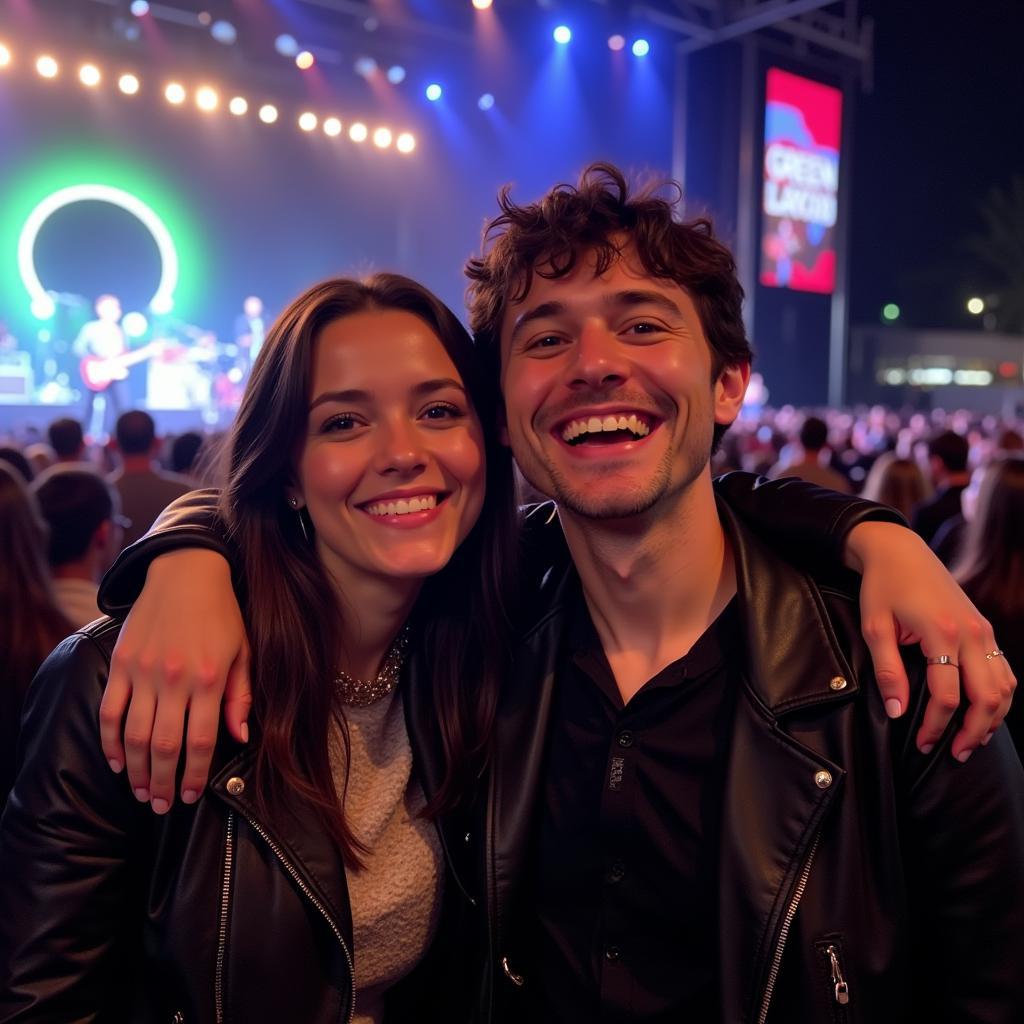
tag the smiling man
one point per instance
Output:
(699, 809)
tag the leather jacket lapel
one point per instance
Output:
(776, 794)
(792, 652)
(298, 834)
(777, 791)
(520, 740)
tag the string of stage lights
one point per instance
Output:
(208, 100)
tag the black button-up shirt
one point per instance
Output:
(623, 925)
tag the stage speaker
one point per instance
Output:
(16, 383)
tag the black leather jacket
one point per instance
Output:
(211, 913)
(836, 832)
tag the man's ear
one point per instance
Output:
(101, 535)
(730, 387)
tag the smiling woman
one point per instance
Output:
(355, 504)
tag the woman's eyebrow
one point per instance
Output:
(356, 395)
(439, 384)
(353, 396)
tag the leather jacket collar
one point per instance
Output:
(296, 838)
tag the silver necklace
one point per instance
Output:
(360, 693)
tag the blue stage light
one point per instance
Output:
(486, 101)
(286, 45)
(396, 74)
(433, 92)
(224, 32)
(562, 34)
(140, 8)
(641, 48)
(365, 67)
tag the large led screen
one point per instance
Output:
(802, 126)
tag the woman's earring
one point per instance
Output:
(294, 502)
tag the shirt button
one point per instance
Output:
(617, 871)
(612, 954)
(625, 739)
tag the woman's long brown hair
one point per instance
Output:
(31, 624)
(991, 566)
(292, 614)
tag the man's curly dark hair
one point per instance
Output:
(600, 216)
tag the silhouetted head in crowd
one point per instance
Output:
(947, 458)
(83, 514)
(813, 434)
(66, 439)
(135, 432)
(184, 450)
(898, 483)
(15, 458)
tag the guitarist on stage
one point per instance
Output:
(103, 338)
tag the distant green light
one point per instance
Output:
(42, 304)
(71, 167)
(890, 312)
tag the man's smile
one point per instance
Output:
(608, 427)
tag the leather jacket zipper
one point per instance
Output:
(451, 863)
(794, 903)
(308, 893)
(225, 906)
(842, 989)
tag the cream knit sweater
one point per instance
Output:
(396, 897)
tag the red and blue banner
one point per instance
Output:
(802, 128)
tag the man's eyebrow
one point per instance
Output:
(617, 300)
(356, 396)
(639, 297)
(540, 312)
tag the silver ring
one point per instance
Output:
(942, 659)
(994, 654)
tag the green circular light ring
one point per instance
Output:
(163, 298)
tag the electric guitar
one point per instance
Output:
(98, 373)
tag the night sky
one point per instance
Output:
(944, 124)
